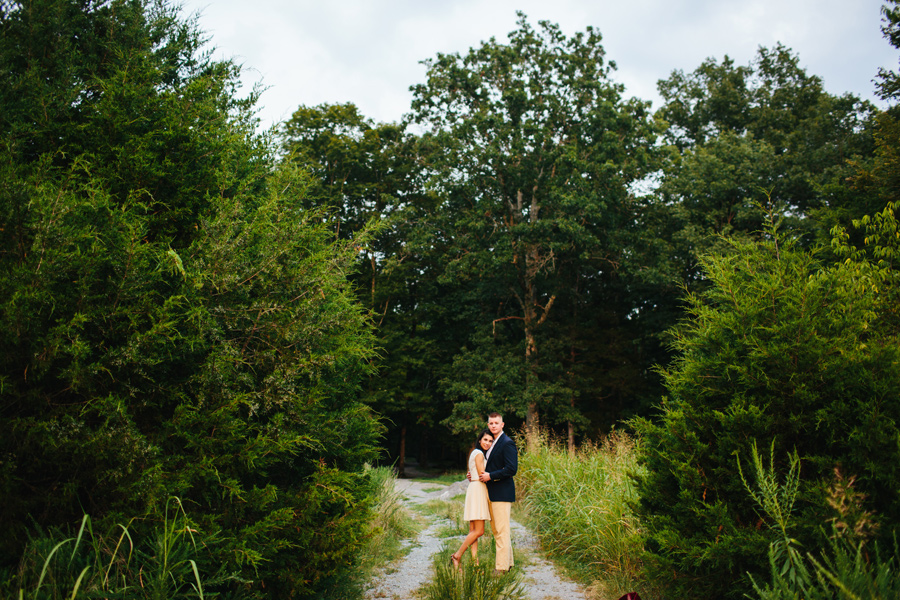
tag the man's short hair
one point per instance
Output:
(494, 415)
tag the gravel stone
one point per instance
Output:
(400, 580)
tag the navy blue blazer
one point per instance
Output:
(502, 465)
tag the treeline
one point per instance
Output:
(717, 274)
(193, 309)
(539, 229)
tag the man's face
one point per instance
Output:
(495, 425)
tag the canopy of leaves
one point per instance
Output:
(767, 133)
(532, 150)
(889, 81)
(780, 350)
(172, 320)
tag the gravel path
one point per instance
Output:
(400, 580)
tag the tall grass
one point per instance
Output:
(578, 505)
(393, 522)
(846, 568)
(471, 581)
(165, 559)
(117, 563)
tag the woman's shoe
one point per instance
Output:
(454, 562)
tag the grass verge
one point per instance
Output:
(578, 506)
(393, 524)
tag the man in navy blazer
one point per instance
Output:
(502, 464)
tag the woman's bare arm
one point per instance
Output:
(479, 463)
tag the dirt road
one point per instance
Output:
(400, 580)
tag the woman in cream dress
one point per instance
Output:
(477, 509)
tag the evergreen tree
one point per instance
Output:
(172, 320)
(781, 350)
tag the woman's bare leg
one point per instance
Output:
(476, 530)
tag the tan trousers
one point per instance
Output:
(502, 539)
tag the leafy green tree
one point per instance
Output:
(889, 81)
(173, 321)
(762, 133)
(785, 349)
(365, 172)
(879, 178)
(783, 352)
(532, 151)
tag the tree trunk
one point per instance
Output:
(533, 314)
(401, 459)
(423, 447)
(573, 359)
(531, 363)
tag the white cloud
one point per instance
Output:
(310, 52)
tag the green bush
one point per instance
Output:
(787, 352)
(172, 322)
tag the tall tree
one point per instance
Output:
(764, 133)
(784, 352)
(786, 348)
(172, 321)
(533, 150)
(366, 172)
(888, 83)
(879, 178)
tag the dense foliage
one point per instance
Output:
(766, 132)
(192, 310)
(532, 149)
(367, 174)
(174, 323)
(782, 350)
(790, 348)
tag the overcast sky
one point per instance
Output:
(368, 52)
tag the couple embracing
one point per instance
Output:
(491, 492)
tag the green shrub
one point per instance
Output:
(172, 321)
(786, 351)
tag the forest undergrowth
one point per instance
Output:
(578, 504)
(167, 558)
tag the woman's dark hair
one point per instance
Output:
(483, 433)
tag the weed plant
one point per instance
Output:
(578, 505)
(160, 566)
(845, 569)
(471, 581)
